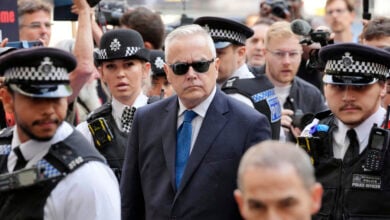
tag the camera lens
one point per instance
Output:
(279, 11)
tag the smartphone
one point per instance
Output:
(100, 131)
(376, 149)
(24, 44)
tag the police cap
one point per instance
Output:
(225, 31)
(121, 43)
(157, 60)
(40, 72)
(354, 64)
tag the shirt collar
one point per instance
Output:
(118, 107)
(31, 147)
(200, 109)
(361, 130)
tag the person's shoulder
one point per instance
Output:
(88, 174)
(104, 109)
(240, 109)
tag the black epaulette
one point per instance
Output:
(323, 114)
(66, 157)
(230, 82)
(103, 110)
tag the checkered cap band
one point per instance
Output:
(32, 74)
(130, 51)
(338, 67)
(227, 35)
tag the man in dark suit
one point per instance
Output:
(157, 183)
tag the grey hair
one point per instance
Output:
(274, 154)
(189, 30)
(32, 6)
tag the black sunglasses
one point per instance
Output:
(182, 68)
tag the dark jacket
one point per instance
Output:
(28, 202)
(148, 187)
(350, 192)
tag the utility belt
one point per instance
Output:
(376, 149)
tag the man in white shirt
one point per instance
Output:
(48, 169)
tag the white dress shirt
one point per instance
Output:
(341, 141)
(201, 110)
(89, 192)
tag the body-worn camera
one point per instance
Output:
(100, 131)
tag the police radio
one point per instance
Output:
(376, 149)
(310, 145)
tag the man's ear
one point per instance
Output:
(148, 45)
(239, 200)
(242, 51)
(7, 100)
(146, 70)
(316, 195)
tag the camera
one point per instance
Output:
(279, 8)
(109, 12)
(301, 120)
(297, 118)
(320, 36)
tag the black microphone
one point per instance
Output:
(301, 27)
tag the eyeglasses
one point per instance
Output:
(182, 68)
(37, 25)
(294, 54)
(337, 11)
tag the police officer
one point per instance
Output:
(351, 162)
(123, 65)
(48, 169)
(234, 76)
(159, 82)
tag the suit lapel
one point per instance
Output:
(169, 121)
(212, 125)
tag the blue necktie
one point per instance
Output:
(184, 134)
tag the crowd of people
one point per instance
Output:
(217, 119)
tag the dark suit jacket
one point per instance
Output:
(206, 191)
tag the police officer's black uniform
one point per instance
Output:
(116, 44)
(24, 191)
(352, 190)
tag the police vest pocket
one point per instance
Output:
(328, 202)
(368, 203)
